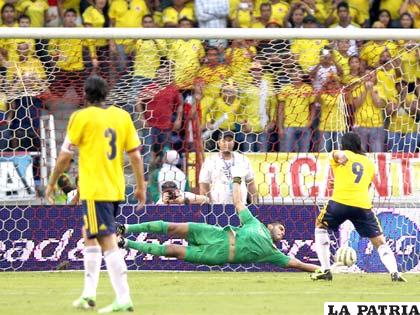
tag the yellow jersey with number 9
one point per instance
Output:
(352, 180)
(102, 135)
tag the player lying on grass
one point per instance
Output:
(253, 242)
(353, 175)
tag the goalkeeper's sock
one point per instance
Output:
(117, 270)
(152, 227)
(92, 263)
(388, 258)
(322, 246)
(149, 248)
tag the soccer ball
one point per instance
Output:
(346, 256)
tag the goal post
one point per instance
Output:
(48, 147)
(212, 33)
(288, 95)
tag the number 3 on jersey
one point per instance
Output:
(357, 170)
(110, 133)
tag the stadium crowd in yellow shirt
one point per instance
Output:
(269, 106)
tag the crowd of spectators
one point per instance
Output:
(279, 95)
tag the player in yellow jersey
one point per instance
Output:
(102, 134)
(353, 175)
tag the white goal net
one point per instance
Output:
(286, 95)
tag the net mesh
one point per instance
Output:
(287, 102)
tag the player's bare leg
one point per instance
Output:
(387, 257)
(117, 270)
(92, 258)
(322, 245)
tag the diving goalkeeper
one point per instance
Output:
(253, 242)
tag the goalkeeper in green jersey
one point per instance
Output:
(253, 242)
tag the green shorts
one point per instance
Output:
(207, 244)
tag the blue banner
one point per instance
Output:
(402, 231)
(16, 178)
(49, 237)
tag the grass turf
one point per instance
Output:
(202, 292)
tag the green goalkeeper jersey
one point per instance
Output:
(253, 242)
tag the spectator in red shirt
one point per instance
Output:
(53, 14)
(160, 106)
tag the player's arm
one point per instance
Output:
(64, 158)
(237, 193)
(245, 216)
(297, 264)
(280, 259)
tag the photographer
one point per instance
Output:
(172, 195)
(70, 195)
(66, 190)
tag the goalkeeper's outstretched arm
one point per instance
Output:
(237, 193)
(297, 264)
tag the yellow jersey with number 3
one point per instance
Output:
(352, 180)
(102, 135)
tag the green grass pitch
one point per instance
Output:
(196, 293)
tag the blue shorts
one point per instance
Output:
(364, 220)
(99, 217)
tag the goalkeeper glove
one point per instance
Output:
(122, 242)
(120, 228)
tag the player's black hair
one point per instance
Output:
(7, 5)
(276, 223)
(96, 89)
(70, 10)
(343, 4)
(351, 141)
(23, 17)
